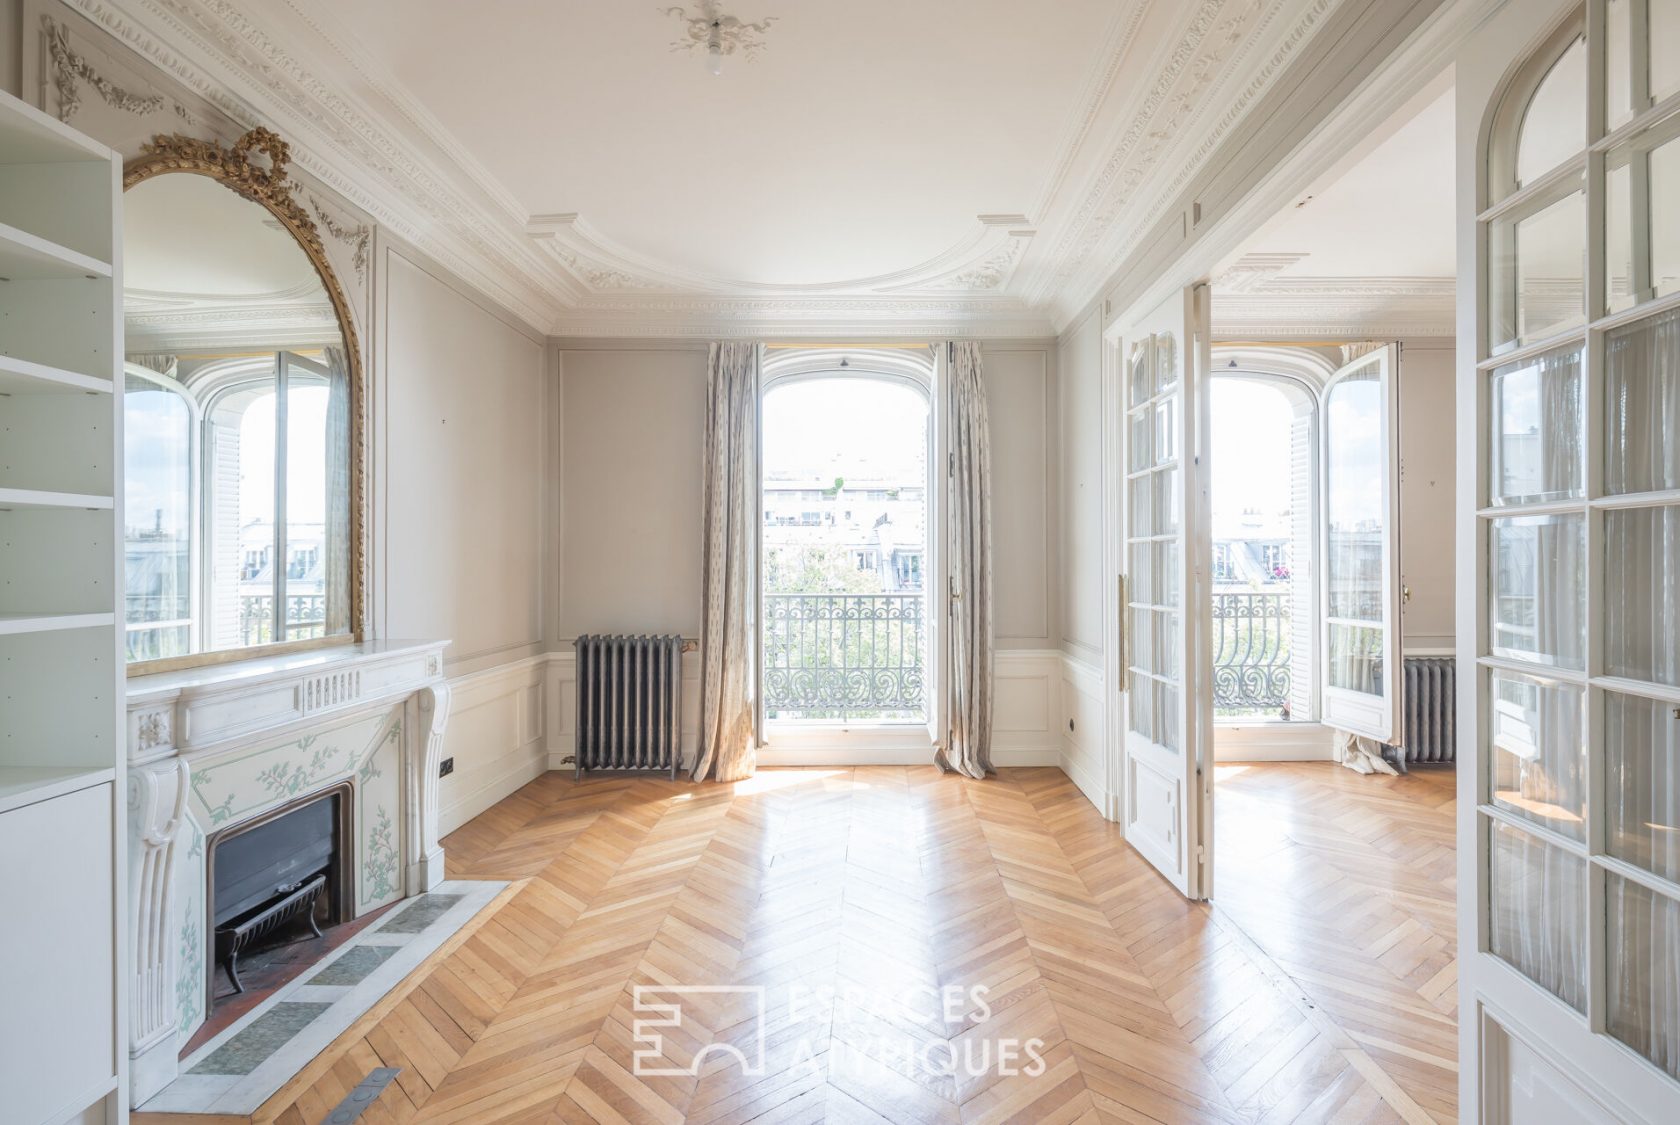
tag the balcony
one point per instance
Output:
(1251, 655)
(845, 657)
(306, 617)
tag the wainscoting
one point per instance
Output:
(1029, 712)
(496, 737)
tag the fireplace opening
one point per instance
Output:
(279, 878)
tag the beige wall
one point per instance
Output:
(1081, 489)
(1428, 440)
(630, 471)
(459, 405)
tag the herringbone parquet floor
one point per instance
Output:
(927, 948)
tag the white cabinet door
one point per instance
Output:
(57, 957)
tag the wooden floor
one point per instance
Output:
(852, 897)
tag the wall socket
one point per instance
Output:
(446, 767)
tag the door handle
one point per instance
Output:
(1123, 638)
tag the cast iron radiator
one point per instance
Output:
(1429, 709)
(629, 703)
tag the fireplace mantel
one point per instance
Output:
(212, 747)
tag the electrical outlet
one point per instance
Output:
(446, 767)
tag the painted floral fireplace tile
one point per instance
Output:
(231, 788)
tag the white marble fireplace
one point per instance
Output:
(213, 748)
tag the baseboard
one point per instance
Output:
(458, 812)
(1273, 742)
(1081, 774)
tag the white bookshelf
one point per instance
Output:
(63, 860)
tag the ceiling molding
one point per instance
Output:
(377, 146)
(1333, 307)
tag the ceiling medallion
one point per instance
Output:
(716, 35)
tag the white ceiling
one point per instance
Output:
(1368, 251)
(918, 165)
(190, 236)
(1390, 215)
(864, 138)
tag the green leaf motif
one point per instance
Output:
(380, 867)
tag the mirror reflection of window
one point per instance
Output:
(237, 429)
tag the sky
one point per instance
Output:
(1250, 438)
(829, 427)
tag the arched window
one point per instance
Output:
(1577, 434)
(846, 637)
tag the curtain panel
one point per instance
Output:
(968, 542)
(728, 742)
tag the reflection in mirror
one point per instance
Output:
(237, 428)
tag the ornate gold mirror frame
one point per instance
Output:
(266, 184)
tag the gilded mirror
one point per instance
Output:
(242, 412)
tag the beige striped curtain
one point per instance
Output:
(337, 537)
(728, 743)
(968, 545)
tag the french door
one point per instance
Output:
(1359, 675)
(1166, 672)
(1569, 563)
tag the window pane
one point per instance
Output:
(1539, 589)
(1537, 912)
(1356, 658)
(1642, 416)
(317, 476)
(1538, 272)
(1642, 767)
(1140, 449)
(1642, 594)
(1539, 429)
(1642, 235)
(1355, 437)
(844, 480)
(1554, 126)
(1643, 970)
(239, 531)
(1665, 48)
(1538, 734)
(157, 499)
(1618, 62)
(1140, 495)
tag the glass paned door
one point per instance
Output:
(1169, 692)
(1570, 557)
(1361, 517)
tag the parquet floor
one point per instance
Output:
(915, 948)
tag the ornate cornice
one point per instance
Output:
(1332, 307)
(374, 145)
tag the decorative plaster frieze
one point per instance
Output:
(358, 237)
(732, 34)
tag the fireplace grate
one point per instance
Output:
(296, 901)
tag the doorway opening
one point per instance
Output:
(1265, 427)
(846, 634)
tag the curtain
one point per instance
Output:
(727, 739)
(968, 541)
(337, 538)
(1642, 642)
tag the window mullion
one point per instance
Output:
(1592, 385)
(277, 629)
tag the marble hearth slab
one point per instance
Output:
(241, 1068)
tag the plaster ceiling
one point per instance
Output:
(190, 235)
(1367, 251)
(879, 165)
(864, 138)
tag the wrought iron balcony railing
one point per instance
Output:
(1250, 653)
(844, 657)
(306, 617)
